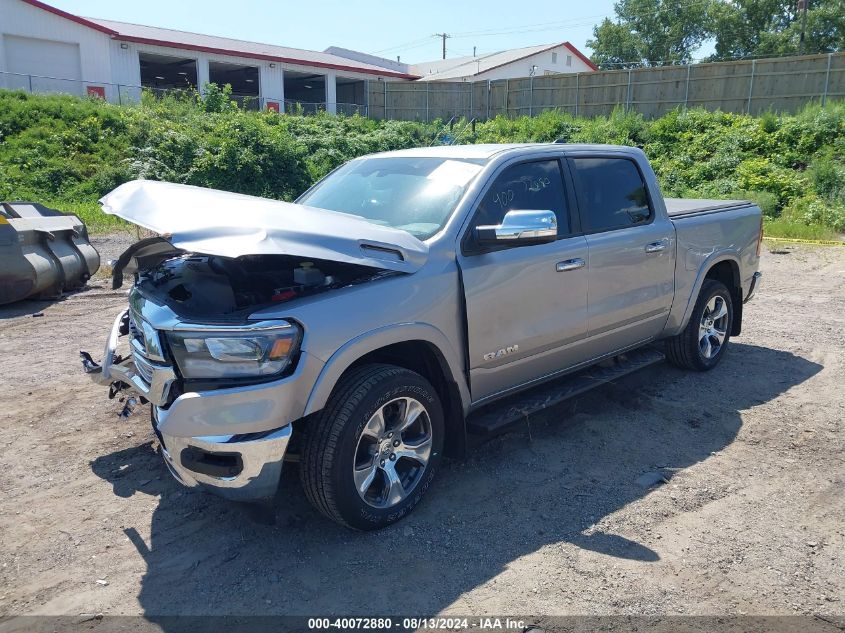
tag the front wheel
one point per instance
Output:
(370, 455)
(703, 341)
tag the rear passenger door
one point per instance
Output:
(631, 253)
(526, 305)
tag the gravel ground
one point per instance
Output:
(549, 519)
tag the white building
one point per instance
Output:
(45, 49)
(545, 59)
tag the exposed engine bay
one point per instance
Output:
(204, 285)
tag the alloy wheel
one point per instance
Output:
(713, 327)
(392, 452)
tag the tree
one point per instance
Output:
(615, 46)
(651, 33)
(759, 28)
(739, 27)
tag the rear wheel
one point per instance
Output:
(371, 454)
(703, 341)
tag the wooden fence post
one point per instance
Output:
(628, 93)
(686, 91)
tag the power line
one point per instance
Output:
(549, 26)
(555, 24)
(412, 43)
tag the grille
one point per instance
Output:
(135, 332)
(143, 365)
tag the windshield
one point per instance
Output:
(415, 194)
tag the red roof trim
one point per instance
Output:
(578, 53)
(71, 17)
(581, 56)
(261, 56)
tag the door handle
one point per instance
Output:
(570, 264)
(656, 247)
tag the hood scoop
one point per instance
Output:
(382, 251)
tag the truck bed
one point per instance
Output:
(684, 207)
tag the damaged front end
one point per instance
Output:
(218, 258)
(137, 372)
(222, 386)
(225, 387)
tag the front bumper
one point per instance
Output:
(239, 468)
(231, 441)
(755, 286)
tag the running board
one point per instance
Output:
(498, 416)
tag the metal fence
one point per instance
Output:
(125, 94)
(782, 84)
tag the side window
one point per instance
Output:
(611, 193)
(536, 186)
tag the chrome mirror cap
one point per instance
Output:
(518, 226)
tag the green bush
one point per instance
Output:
(814, 210)
(828, 177)
(768, 202)
(71, 151)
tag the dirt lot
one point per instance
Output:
(546, 520)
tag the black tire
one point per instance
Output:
(331, 447)
(684, 350)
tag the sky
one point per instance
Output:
(384, 28)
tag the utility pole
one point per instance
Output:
(802, 6)
(443, 36)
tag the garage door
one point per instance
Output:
(51, 66)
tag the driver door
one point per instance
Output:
(526, 304)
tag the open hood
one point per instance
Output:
(213, 222)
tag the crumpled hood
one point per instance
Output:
(213, 222)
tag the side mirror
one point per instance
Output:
(520, 227)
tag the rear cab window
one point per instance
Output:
(612, 193)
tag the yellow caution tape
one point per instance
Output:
(799, 241)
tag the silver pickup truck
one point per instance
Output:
(407, 303)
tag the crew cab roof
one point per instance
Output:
(486, 151)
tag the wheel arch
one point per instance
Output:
(418, 347)
(727, 272)
(722, 266)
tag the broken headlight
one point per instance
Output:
(260, 350)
